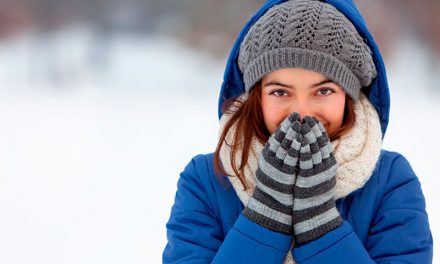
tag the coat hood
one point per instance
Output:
(377, 92)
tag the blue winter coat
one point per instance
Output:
(384, 222)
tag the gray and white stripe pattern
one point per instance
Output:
(271, 203)
(314, 209)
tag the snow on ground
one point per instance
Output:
(90, 153)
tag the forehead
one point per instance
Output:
(293, 77)
(289, 74)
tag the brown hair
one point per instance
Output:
(247, 116)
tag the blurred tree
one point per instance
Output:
(214, 24)
(389, 20)
(421, 18)
(15, 16)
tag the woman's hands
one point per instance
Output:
(295, 182)
(271, 203)
(314, 208)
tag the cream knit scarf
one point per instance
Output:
(356, 154)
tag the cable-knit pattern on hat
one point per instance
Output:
(308, 15)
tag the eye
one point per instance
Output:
(278, 93)
(325, 91)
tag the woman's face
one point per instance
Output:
(306, 92)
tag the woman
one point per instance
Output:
(299, 175)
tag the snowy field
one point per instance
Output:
(90, 153)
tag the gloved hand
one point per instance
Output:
(271, 203)
(314, 208)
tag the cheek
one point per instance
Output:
(273, 115)
(334, 115)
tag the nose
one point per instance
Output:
(302, 108)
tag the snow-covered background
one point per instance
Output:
(94, 135)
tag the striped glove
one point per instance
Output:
(271, 203)
(314, 208)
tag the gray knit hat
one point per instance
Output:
(307, 34)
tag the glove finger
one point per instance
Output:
(288, 121)
(309, 124)
(305, 159)
(296, 126)
(293, 152)
(288, 139)
(279, 135)
(315, 138)
(323, 140)
(274, 142)
(322, 129)
(315, 125)
(294, 117)
(275, 168)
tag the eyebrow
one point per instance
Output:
(291, 87)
